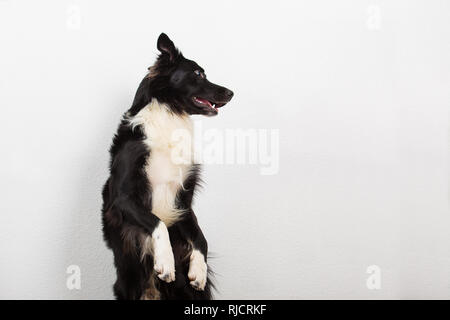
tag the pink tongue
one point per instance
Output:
(205, 102)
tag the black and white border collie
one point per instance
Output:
(148, 222)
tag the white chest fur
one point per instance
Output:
(169, 138)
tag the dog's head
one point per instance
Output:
(182, 83)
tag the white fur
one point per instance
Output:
(164, 264)
(169, 138)
(197, 270)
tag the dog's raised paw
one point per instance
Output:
(164, 263)
(165, 266)
(197, 271)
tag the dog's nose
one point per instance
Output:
(229, 94)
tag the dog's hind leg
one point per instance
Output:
(127, 288)
(157, 235)
(141, 247)
(132, 272)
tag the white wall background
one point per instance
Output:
(360, 100)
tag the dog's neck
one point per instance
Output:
(163, 128)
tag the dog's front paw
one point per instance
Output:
(164, 263)
(197, 270)
(165, 266)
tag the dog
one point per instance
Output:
(159, 249)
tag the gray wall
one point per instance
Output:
(359, 94)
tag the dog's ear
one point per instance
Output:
(166, 46)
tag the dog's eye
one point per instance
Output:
(199, 74)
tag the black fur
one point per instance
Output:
(127, 203)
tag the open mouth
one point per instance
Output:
(211, 105)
